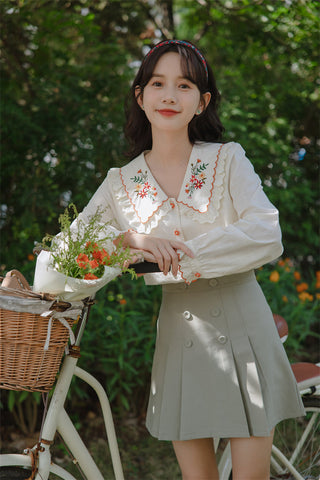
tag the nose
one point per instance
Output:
(168, 96)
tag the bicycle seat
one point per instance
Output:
(307, 374)
(282, 326)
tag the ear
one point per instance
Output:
(204, 102)
(138, 94)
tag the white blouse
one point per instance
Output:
(221, 213)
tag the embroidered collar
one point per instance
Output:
(146, 196)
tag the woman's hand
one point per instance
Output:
(158, 250)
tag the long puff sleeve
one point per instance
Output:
(103, 201)
(247, 243)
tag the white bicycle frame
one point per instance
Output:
(39, 457)
(57, 419)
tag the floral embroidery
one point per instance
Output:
(143, 188)
(197, 179)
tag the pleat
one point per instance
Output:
(219, 368)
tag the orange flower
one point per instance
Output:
(318, 284)
(301, 287)
(122, 301)
(30, 257)
(318, 275)
(274, 276)
(318, 296)
(285, 299)
(104, 256)
(93, 264)
(297, 275)
(90, 276)
(281, 263)
(82, 260)
(305, 296)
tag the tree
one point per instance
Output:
(66, 68)
(265, 57)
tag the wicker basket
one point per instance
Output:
(24, 362)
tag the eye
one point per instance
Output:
(184, 86)
(156, 83)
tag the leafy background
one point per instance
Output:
(66, 67)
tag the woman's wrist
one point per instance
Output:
(123, 239)
(130, 238)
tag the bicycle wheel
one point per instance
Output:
(296, 445)
(19, 473)
(14, 473)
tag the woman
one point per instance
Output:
(196, 207)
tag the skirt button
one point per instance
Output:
(188, 343)
(187, 315)
(222, 339)
(213, 282)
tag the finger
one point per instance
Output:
(167, 261)
(158, 258)
(149, 257)
(171, 259)
(182, 246)
(175, 264)
(137, 258)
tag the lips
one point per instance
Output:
(167, 112)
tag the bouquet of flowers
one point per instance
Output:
(81, 259)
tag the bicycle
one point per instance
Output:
(296, 445)
(300, 460)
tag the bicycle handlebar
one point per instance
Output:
(145, 267)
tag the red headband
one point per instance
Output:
(185, 44)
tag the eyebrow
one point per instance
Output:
(162, 76)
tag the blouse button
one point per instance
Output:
(215, 312)
(187, 315)
(213, 282)
(188, 343)
(176, 232)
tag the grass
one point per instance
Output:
(143, 457)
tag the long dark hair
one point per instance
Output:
(205, 127)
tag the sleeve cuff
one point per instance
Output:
(189, 269)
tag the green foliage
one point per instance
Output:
(85, 255)
(298, 302)
(265, 57)
(66, 69)
(24, 408)
(63, 87)
(118, 342)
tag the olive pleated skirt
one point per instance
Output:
(219, 368)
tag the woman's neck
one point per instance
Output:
(169, 148)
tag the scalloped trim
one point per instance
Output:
(212, 206)
(186, 272)
(133, 204)
(216, 193)
(211, 189)
(127, 206)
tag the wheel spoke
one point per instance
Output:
(298, 441)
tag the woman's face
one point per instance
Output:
(169, 100)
